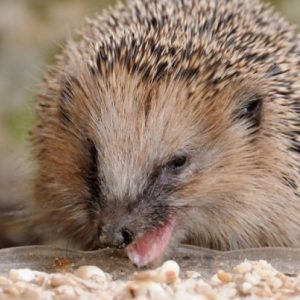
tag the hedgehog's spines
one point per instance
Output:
(148, 79)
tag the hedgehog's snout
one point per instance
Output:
(117, 236)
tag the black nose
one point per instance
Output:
(117, 238)
(127, 236)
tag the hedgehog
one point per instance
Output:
(172, 121)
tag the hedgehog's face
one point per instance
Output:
(137, 165)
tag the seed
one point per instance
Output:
(156, 291)
(67, 291)
(4, 281)
(59, 279)
(224, 276)
(252, 278)
(274, 282)
(246, 287)
(12, 291)
(87, 272)
(21, 275)
(169, 271)
(243, 267)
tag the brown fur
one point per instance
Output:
(151, 79)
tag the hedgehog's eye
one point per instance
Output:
(92, 177)
(177, 163)
(251, 111)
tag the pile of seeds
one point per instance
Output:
(248, 280)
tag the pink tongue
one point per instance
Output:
(151, 245)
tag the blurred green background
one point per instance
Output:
(31, 33)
